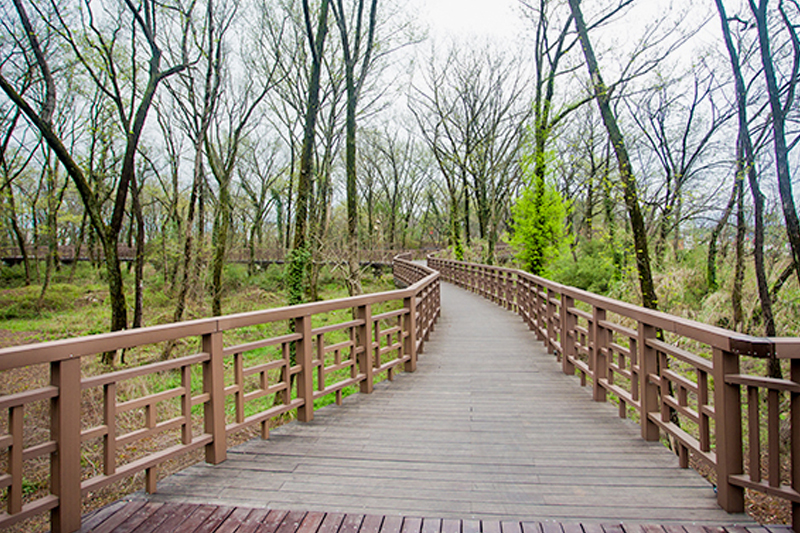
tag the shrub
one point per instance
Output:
(594, 270)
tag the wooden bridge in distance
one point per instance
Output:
(488, 431)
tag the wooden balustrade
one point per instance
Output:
(292, 356)
(681, 379)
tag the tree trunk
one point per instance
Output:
(51, 225)
(465, 186)
(649, 298)
(299, 255)
(778, 115)
(353, 267)
(758, 199)
(138, 306)
(78, 248)
(711, 262)
(741, 230)
(220, 238)
(18, 234)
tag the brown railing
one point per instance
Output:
(682, 379)
(280, 360)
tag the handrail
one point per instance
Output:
(219, 389)
(681, 378)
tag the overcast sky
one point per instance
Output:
(492, 18)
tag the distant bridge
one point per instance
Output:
(11, 255)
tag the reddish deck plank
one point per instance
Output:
(392, 524)
(141, 517)
(412, 525)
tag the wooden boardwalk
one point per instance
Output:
(488, 429)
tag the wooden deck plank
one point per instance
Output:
(93, 521)
(132, 520)
(592, 528)
(311, 522)
(165, 518)
(549, 527)
(291, 522)
(470, 526)
(135, 517)
(450, 525)
(351, 523)
(371, 524)
(272, 521)
(234, 520)
(392, 524)
(253, 521)
(214, 520)
(431, 525)
(572, 528)
(198, 516)
(412, 525)
(331, 523)
(490, 526)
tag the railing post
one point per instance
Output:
(539, 310)
(214, 408)
(568, 323)
(524, 301)
(728, 428)
(65, 430)
(794, 415)
(548, 322)
(648, 395)
(410, 342)
(599, 345)
(365, 344)
(305, 358)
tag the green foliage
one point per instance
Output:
(458, 249)
(22, 303)
(539, 234)
(12, 276)
(234, 276)
(269, 279)
(594, 269)
(296, 266)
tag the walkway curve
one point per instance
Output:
(486, 428)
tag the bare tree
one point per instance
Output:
(747, 165)
(298, 258)
(781, 102)
(473, 114)
(679, 125)
(131, 108)
(259, 175)
(601, 94)
(357, 39)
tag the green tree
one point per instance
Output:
(538, 225)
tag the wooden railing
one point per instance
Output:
(682, 379)
(249, 368)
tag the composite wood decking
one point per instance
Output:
(487, 429)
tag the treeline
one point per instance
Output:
(190, 128)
